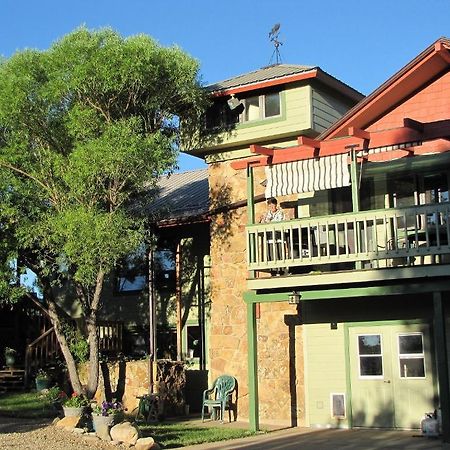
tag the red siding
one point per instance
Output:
(430, 104)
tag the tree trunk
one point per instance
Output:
(91, 325)
(70, 361)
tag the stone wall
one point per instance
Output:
(129, 380)
(280, 385)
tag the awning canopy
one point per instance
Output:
(308, 175)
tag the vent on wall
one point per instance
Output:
(338, 405)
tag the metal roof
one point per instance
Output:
(257, 76)
(181, 195)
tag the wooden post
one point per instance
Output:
(440, 344)
(151, 321)
(252, 367)
(178, 299)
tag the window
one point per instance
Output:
(258, 107)
(411, 356)
(132, 274)
(164, 269)
(193, 341)
(370, 356)
(261, 107)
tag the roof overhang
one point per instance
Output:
(430, 64)
(314, 74)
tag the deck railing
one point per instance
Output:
(376, 238)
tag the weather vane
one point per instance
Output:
(273, 36)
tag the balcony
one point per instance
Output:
(376, 239)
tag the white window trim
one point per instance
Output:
(411, 356)
(371, 377)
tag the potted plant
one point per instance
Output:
(74, 405)
(43, 380)
(106, 414)
(10, 356)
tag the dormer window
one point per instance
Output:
(261, 107)
(248, 109)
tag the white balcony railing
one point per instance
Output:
(377, 238)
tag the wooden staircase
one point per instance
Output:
(12, 379)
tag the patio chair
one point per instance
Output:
(220, 396)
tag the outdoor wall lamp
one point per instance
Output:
(294, 298)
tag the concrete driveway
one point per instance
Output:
(307, 439)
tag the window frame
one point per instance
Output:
(121, 270)
(411, 356)
(380, 355)
(261, 107)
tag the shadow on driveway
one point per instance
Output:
(306, 439)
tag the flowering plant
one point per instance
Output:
(54, 395)
(75, 401)
(10, 351)
(107, 408)
(41, 374)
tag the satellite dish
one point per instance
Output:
(233, 102)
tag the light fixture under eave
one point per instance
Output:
(294, 298)
(233, 102)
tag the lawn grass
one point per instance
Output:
(168, 434)
(25, 404)
(173, 435)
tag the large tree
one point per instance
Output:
(86, 127)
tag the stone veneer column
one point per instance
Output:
(228, 331)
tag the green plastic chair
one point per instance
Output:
(220, 396)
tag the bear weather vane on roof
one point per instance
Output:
(273, 36)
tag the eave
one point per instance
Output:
(424, 138)
(316, 74)
(430, 64)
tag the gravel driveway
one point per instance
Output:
(40, 434)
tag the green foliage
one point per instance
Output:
(41, 374)
(75, 401)
(53, 395)
(78, 344)
(85, 128)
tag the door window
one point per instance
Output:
(411, 355)
(370, 356)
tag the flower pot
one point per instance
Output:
(42, 383)
(71, 411)
(10, 360)
(102, 421)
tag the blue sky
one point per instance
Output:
(359, 42)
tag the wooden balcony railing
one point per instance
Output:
(377, 238)
(44, 350)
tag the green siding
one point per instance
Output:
(325, 372)
(326, 109)
(295, 117)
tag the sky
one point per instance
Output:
(362, 43)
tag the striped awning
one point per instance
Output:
(308, 175)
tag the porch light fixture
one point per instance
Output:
(294, 298)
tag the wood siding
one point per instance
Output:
(326, 109)
(295, 118)
(325, 372)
